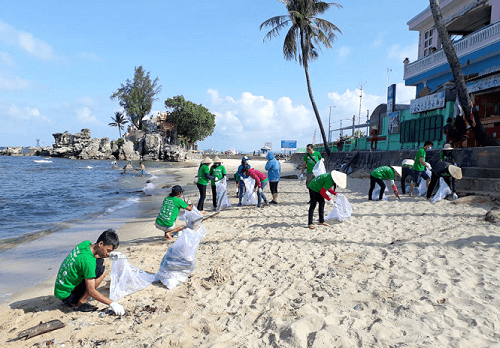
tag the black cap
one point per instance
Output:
(176, 190)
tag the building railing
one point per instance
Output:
(464, 46)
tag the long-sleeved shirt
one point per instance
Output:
(257, 175)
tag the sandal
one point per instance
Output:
(311, 227)
(85, 308)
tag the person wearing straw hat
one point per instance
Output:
(203, 178)
(319, 188)
(406, 171)
(218, 171)
(378, 175)
(448, 172)
(167, 218)
(446, 155)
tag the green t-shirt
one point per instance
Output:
(79, 265)
(417, 165)
(170, 210)
(218, 172)
(310, 163)
(321, 181)
(383, 173)
(202, 179)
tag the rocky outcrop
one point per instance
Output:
(12, 151)
(81, 146)
(151, 147)
(97, 149)
(127, 151)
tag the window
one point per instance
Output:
(428, 41)
(422, 129)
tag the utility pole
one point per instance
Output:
(388, 72)
(360, 97)
(353, 124)
(329, 125)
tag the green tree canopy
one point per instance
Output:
(194, 121)
(137, 96)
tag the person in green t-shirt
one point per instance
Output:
(167, 218)
(83, 270)
(203, 179)
(310, 159)
(419, 166)
(377, 176)
(318, 192)
(218, 171)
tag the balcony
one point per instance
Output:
(473, 42)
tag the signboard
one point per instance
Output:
(391, 98)
(393, 122)
(289, 144)
(484, 83)
(430, 102)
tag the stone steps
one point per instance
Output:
(487, 186)
(481, 172)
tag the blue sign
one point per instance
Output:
(289, 144)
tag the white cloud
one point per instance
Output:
(85, 115)
(379, 40)
(404, 93)
(344, 52)
(6, 59)
(14, 83)
(26, 113)
(399, 52)
(26, 41)
(347, 105)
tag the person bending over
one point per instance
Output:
(379, 175)
(419, 166)
(448, 172)
(406, 171)
(260, 182)
(167, 219)
(83, 270)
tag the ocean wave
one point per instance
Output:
(123, 204)
(149, 189)
(42, 161)
(87, 167)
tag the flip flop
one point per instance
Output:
(85, 308)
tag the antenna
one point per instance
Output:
(38, 143)
(314, 137)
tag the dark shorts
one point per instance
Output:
(417, 175)
(81, 288)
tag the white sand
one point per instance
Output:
(397, 274)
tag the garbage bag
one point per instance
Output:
(376, 193)
(250, 197)
(127, 278)
(342, 210)
(319, 168)
(193, 218)
(443, 191)
(422, 185)
(222, 197)
(179, 261)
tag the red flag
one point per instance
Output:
(472, 120)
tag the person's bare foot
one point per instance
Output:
(168, 236)
(323, 224)
(203, 212)
(312, 227)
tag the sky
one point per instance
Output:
(60, 61)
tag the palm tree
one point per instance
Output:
(119, 121)
(303, 39)
(481, 135)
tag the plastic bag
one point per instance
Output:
(250, 197)
(443, 191)
(126, 278)
(376, 193)
(422, 186)
(222, 197)
(342, 210)
(179, 261)
(193, 218)
(319, 168)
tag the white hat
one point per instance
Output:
(408, 162)
(447, 147)
(206, 160)
(375, 127)
(217, 159)
(397, 169)
(340, 179)
(455, 172)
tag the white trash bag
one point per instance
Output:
(193, 218)
(319, 168)
(222, 197)
(250, 197)
(376, 192)
(126, 278)
(342, 210)
(443, 191)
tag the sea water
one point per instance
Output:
(48, 205)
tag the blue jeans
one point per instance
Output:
(261, 195)
(241, 190)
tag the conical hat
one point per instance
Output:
(408, 162)
(206, 160)
(447, 147)
(339, 178)
(398, 169)
(455, 172)
(217, 159)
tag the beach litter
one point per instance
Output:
(222, 197)
(39, 329)
(376, 192)
(250, 197)
(443, 191)
(342, 209)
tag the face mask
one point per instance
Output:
(430, 148)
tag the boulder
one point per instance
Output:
(14, 151)
(493, 215)
(81, 140)
(62, 140)
(174, 153)
(127, 151)
(91, 150)
(151, 147)
(105, 149)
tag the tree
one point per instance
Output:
(463, 95)
(194, 121)
(137, 96)
(118, 121)
(302, 41)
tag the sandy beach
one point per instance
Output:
(396, 274)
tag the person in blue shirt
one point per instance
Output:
(273, 168)
(241, 188)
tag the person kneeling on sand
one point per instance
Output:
(83, 270)
(167, 219)
(318, 189)
(379, 175)
(448, 172)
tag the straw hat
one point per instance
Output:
(455, 172)
(408, 162)
(339, 178)
(447, 147)
(375, 127)
(206, 160)
(397, 169)
(217, 159)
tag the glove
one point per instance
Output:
(301, 177)
(395, 190)
(117, 308)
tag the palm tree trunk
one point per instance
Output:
(463, 95)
